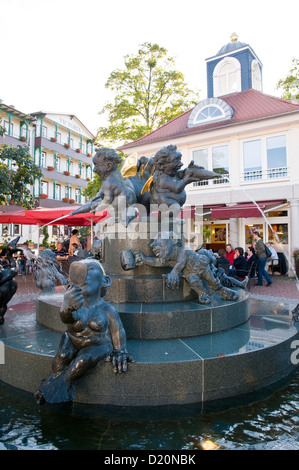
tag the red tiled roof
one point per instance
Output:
(247, 105)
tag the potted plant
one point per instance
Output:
(78, 150)
(30, 243)
(72, 201)
(44, 196)
(67, 146)
(296, 261)
(89, 154)
(53, 139)
(65, 199)
(50, 168)
(78, 176)
(23, 138)
(88, 179)
(66, 172)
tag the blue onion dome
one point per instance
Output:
(233, 45)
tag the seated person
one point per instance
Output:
(251, 260)
(222, 262)
(273, 260)
(240, 263)
(229, 253)
(60, 251)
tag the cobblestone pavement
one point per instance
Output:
(283, 288)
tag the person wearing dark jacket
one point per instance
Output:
(260, 249)
(251, 260)
(240, 263)
(222, 262)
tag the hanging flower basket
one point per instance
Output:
(67, 146)
(78, 150)
(67, 173)
(50, 168)
(44, 196)
(78, 176)
(23, 138)
(65, 199)
(53, 139)
(72, 201)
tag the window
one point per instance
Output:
(58, 163)
(17, 229)
(71, 168)
(227, 77)
(72, 143)
(44, 131)
(276, 156)
(6, 125)
(209, 110)
(256, 75)
(252, 154)
(44, 187)
(213, 159)
(58, 191)
(43, 159)
(265, 158)
(77, 195)
(83, 147)
(58, 137)
(220, 160)
(282, 232)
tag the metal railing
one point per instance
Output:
(223, 179)
(270, 173)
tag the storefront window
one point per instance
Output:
(249, 229)
(281, 230)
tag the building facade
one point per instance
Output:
(251, 140)
(63, 148)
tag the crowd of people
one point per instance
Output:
(254, 263)
(66, 251)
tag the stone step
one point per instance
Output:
(165, 372)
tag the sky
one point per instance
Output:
(56, 55)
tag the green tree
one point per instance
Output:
(93, 187)
(290, 84)
(148, 93)
(17, 171)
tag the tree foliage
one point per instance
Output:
(290, 84)
(17, 171)
(93, 187)
(148, 93)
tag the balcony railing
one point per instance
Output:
(223, 179)
(264, 175)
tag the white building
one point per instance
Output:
(63, 148)
(248, 137)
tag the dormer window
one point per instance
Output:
(256, 76)
(227, 77)
(209, 111)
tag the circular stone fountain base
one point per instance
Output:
(166, 371)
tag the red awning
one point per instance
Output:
(242, 210)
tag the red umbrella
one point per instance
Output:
(61, 216)
(16, 217)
